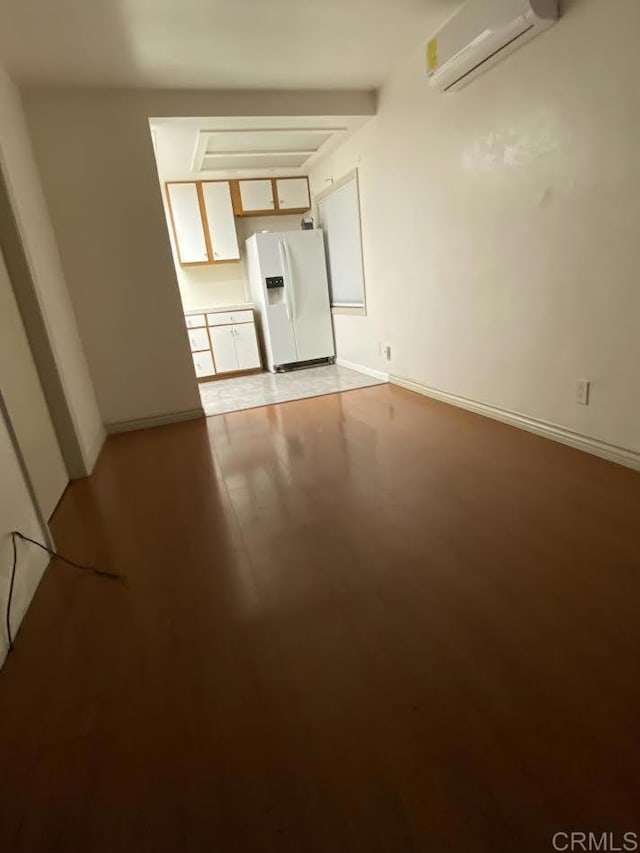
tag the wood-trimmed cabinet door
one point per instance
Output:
(203, 364)
(221, 222)
(186, 218)
(224, 349)
(293, 194)
(246, 343)
(256, 196)
(198, 340)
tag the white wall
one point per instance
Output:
(95, 156)
(20, 386)
(42, 256)
(17, 512)
(500, 227)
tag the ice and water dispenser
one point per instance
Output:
(275, 289)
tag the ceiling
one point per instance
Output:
(236, 44)
(233, 147)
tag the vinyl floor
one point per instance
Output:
(364, 622)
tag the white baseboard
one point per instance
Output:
(156, 420)
(612, 452)
(360, 368)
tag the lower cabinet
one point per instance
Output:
(203, 364)
(223, 342)
(224, 349)
(235, 347)
(246, 346)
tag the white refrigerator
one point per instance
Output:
(290, 293)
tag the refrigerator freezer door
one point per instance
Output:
(306, 277)
(264, 258)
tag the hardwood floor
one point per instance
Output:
(368, 623)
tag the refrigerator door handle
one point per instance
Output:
(283, 262)
(290, 284)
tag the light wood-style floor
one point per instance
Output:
(361, 623)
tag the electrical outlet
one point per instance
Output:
(386, 351)
(583, 389)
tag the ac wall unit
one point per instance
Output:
(481, 34)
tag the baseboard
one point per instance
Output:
(154, 421)
(360, 368)
(614, 453)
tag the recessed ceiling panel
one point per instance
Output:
(266, 140)
(253, 161)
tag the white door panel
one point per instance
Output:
(203, 364)
(282, 341)
(224, 350)
(222, 223)
(27, 407)
(198, 339)
(246, 346)
(307, 275)
(265, 260)
(256, 195)
(293, 193)
(187, 223)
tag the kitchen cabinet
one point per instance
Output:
(265, 196)
(221, 223)
(203, 222)
(235, 347)
(228, 318)
(292, 194)
(194, 321)
(188, 227)
(203, 364)
(256, 196)
(223, 345)
(247, 353)
(199, 340)
(223, 342)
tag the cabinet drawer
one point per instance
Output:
(203, 364)
(226, 318)
(195, 320)
(199, 339)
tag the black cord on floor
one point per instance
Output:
(15, 534)
(13, 577)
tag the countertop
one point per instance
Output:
(213, 309)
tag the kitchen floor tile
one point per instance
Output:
(262, 389)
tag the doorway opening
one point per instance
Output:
(250, 265)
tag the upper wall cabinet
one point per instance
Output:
(264, 196)
(203, 222)
(292, 194)
(188, 226)
(256, 196)
(221, 223)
